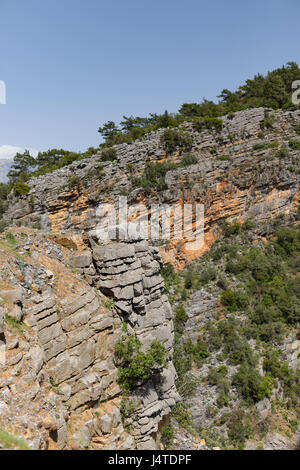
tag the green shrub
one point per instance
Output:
(3, 225)
(267, 122)
(234, 300)
(188, 159)
(180, 316)
(297, 129)
(272, 145)
(259, 146)
(209, 123)
(294, 144)
(174, 139)
(288, 239)
(183, 416)
(231, 228)
(154, 176)
(9, 441)
(251, 385)
(282, 153)
(21, 189)
(238, 426)
(191, 278)
(169, 275)
(197, 351)
(248, 225)
(129, 407)
(167, 435)
(108, 154)
(207, 275)
(217, 377)
(223, 158)
(135, 366)
(74, 181)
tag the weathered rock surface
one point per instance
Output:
(59, 374)
(237, 175)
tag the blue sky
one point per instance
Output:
(71, 65)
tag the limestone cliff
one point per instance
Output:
(238, 173)
(58, 385)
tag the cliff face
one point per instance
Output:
(237, 174)
(66, 297)
(58, 386)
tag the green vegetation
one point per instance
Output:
(234, 300)
(74, 182)
(4, 190)
(153, 177)
(217, 377)
(267, 122)
(3, 225)
(135, 366)
(9, 441)
(251, 385)
(270, 91)
(129, 407)
(21, 189)
(108, 155)
(173, 139)
(282, 153)
(259, 288)
(231, 228)
(223, 158)
(14, 324)
(167, 435)
(264, 146)
(109, 304)
(25, 167)
(294, 144)
(207, 123)
(183, 416)
(188, 159)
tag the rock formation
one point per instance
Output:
(238, 174)
(59, 341)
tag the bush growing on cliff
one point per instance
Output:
(74, 182)
(209, 123)
(176, 140)
(267, 122)
(231, 228)
(217, 378)
(135, 366)
(3, 225)
(4, 190)
(167, 435)
(294, 144)
(251, 385)
(169, 276)
(188, 159)
(21, 189)
(154, 176)
(108, 154)
(297, 129)
(234, 300)
(282, 153)
(239, 427)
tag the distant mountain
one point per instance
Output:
(5, 165)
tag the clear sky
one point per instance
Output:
(71, 65)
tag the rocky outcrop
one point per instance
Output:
(237, 174)
(59, 372)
